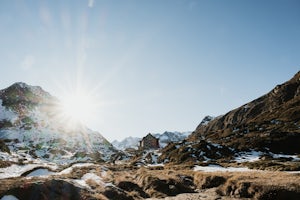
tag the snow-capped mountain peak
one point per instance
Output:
(22, 88)
(31, 121)
(206, 120)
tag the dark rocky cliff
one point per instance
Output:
(270, 122)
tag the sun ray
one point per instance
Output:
(78, 105)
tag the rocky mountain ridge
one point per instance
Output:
(31, 122)
(264, 133)
(271, 122)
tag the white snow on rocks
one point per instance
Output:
(254, 156)
(83, 182)
(40, 172)
(15, 170)
(294, 157)
(9, 197)
(218, 168)
(7, 114)
(70, 169)
(155, 165)
(248, 156)
(94, 177)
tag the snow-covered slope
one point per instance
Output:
(164, 139)
(31, 122)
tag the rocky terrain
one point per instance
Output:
(251, 152)
(32, 125)
(270, 122)
(105, 181)
(265, 127)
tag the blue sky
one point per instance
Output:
(153, 65)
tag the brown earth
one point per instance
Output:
(122, 182)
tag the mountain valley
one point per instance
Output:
(251, 152)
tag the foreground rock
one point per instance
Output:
(170, 182)
(50, 189)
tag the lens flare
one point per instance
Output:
(77, 107)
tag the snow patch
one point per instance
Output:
(9, 197)
(70, 169)
(248, 156)
(94, 177)
(15, 170)
(88, 176)
(246, 107)
(217, 145)
(293, 172)
(81, 183)
(218, 168)
(40, 172)
(295, 157)
(155, 165)
(206, 120)
(254, 156)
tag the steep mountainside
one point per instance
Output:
(270, 122)
(164, 139)
(31, 122)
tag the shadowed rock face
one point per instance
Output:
(53, 189)
(269, 122)
(3, 147)
(130, 186)
(199, 151)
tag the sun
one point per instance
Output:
(78, 107)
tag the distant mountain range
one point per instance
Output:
(31, 122)
(164, 139)
(128, 142)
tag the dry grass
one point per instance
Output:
(4, 164)
(204, 181)
(274, 165)
(257, 184)
(144, 182)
